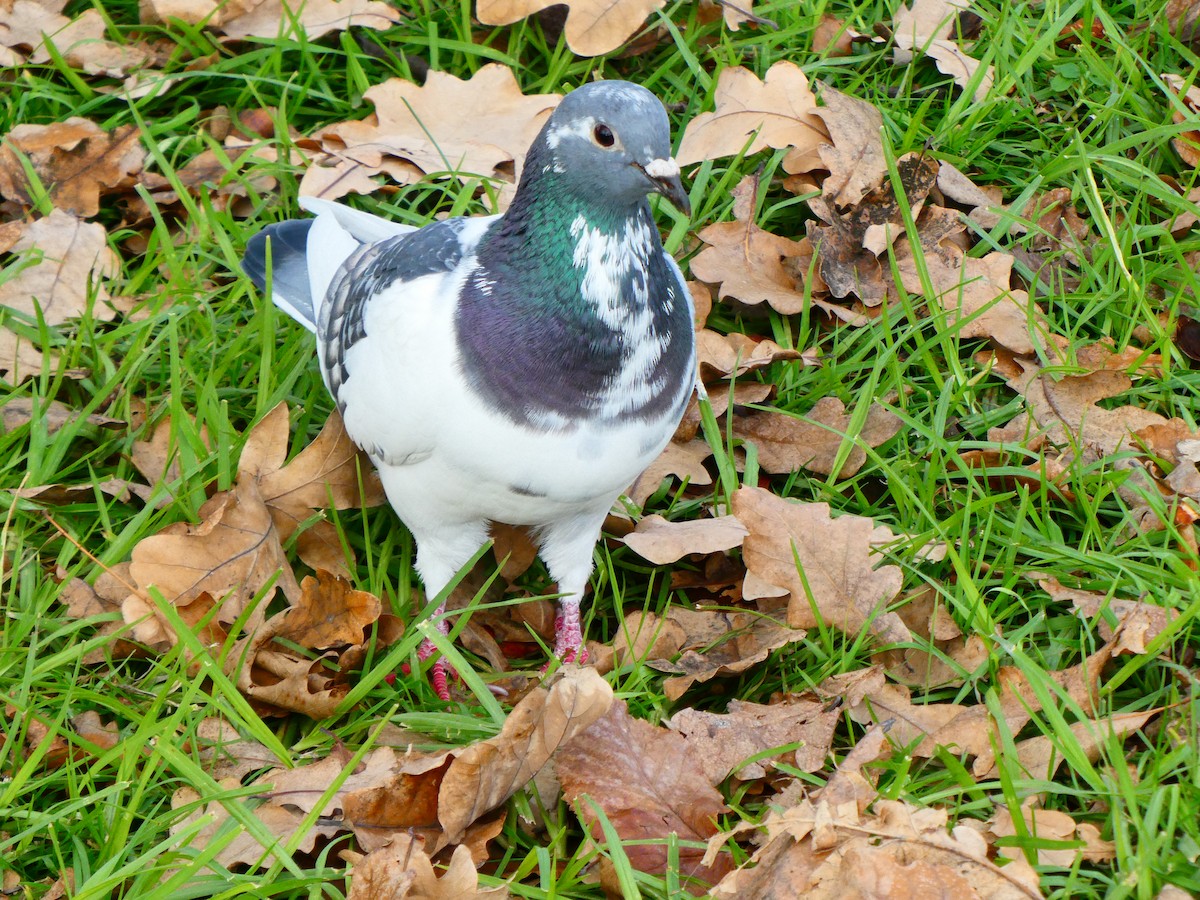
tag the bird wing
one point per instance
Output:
(385, 330)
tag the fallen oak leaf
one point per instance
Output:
(402, 868)
(485, 774)
(76, 160)
(662, 542)
(718, 643)
(593, 27)
(725, 742)
(232, 554)
(842, 585)
(780, 111)
(69, 262)
(492, 126)
(787, 443)
(649, 784)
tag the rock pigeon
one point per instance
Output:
(521, 368)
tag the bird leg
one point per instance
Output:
(568, 632)
(440, 672)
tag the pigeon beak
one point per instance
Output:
(664, 175)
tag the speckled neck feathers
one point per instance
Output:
(573, 310)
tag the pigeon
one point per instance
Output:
(521, 368)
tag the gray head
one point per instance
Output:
(612, 139)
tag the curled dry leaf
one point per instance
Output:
(1186, 144)
(780, 111)
(725, 743)
(69, 261)
(720, 643)
(843, 583)
(787, 443)
(76, 160)
(487, 773)
(927, 27)
(403, 868)
(477, 126)
(331, 472)
(272, 18)
(663, 542)
(898, 851)
(231, 555)
(49, 415)
(649, 783)
(593, 27)
(734, 354)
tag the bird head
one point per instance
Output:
(611, 139)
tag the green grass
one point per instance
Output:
(1094, 119)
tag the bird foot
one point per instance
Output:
(440, 672)
(568, 643)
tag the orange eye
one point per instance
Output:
(603, 135)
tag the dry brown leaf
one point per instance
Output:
(1053, 825)
(663, 542)
(649, 783)
(331, 472)
(231, 555)
(853, 154)
(724, 743)
(718, 643)
(842, 577)
(849, 247)
(24, 25)
(403, 800)
(734, 354)
(1186, 144)
(68, 262)
(75, 160)
(684, 461)
(780, 111)
(83, 44)
(593, 27)
(487, 773)
(747, 263)
(1137, 623)
(330, 616)
(927, 27)
(787, 443)
(1064, 410)
(832, 38)
(402, 869)
(51, 416)
(832, 851)
(280, 821)
(476, 127)
(272, 18)
(224, 753)
(117, 488)
(1042, 756)
(1184, 16)
(951, 657)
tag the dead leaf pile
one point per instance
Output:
(405, 809)
(211, 583)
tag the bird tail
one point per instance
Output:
(303, 255)
(282, 249)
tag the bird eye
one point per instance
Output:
(603, 135)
